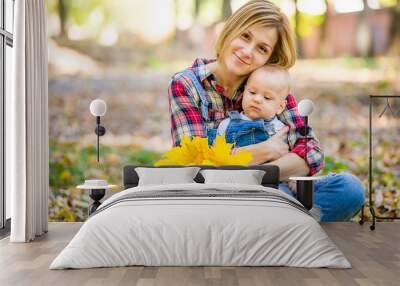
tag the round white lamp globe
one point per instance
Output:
(98, 107)
(305, 107)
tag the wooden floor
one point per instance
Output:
(374, 255)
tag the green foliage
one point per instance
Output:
(80, 11)
(93, 14)
(383, 84)
(334, 165)
(51, 6)
(210, 11)
(72, 163)
(308, 23)
(143, 157)
(388, 3)
(155, 62)
(357, 63)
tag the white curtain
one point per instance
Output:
(27, 146)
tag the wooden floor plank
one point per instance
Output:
(374, 255)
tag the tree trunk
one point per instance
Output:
(323, 35)
(196, 9)
(63, 14)
(176, 15)
(364, 36)
(297, 31)
(226, 9)
(395, 31)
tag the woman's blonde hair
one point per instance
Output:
(263, 13)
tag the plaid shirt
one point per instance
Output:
(186, 117)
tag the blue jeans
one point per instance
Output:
(338, 196)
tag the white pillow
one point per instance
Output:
(248, 177)
(166, 176)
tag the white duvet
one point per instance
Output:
(183, 231)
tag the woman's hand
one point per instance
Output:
(276, 145)
(269, 150)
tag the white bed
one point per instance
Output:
(224, 225)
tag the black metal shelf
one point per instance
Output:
(371, 203)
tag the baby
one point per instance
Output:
(264, 97)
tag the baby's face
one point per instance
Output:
(264, 97)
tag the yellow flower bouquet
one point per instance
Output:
(196, 151)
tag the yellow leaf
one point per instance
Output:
(196, 151)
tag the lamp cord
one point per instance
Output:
(98, 143)
(305, 135)
(98, 135)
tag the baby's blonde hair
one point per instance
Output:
(275, 76)
(263, 13)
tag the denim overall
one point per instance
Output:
(211, 132)
(247, 132)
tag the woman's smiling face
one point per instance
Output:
(250, 50)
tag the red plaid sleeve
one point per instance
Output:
(291, 117)
(185, 113)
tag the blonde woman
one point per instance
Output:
(200, 96)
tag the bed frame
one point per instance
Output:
(270, 179)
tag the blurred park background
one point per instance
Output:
(126, 51)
